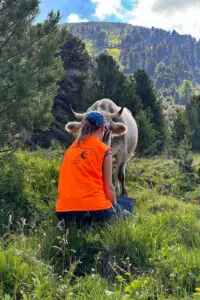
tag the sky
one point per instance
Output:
(180, 15)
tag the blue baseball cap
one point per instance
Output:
(97, 117)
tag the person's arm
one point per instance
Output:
(107, 179)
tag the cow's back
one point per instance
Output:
(104, 105)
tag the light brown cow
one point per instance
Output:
(121, 134)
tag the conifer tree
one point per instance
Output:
(72, 88)
(28, 69)
(193, 118)
(147, 137)
(186, 91)
(179, 129)
(144, 89)
(110, 81)
(129, 98)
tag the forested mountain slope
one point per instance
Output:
(172, 60)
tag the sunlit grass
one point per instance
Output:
(89, 46)
(154, 254)
(114, 52)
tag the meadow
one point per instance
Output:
(153, 254)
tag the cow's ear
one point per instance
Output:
(118, 128)
(73, 127)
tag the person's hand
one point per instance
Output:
(114, 202)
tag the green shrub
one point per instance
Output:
(21, 274)
(160, 174)
(28, 187)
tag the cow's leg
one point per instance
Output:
(120, 174)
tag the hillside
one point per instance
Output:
(169, 58)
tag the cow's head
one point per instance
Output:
(112, 128)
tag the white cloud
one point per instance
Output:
(183, 16)
(105, 8)
(172, 5)
(74, 18)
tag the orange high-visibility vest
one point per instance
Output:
(80, 185)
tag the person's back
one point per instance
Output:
(81, 177)
(85, 181)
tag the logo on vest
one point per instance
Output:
(78, 158)
(83, 154)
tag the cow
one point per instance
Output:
(121, 134)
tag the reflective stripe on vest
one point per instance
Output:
(80, 185)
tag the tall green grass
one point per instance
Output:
(28, 187)
(153, 254)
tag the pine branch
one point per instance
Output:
(5, 150)
(7, 154)
(5, 7)
(15, 28)
(6, 109)
(27, 103)
(5, 88)
(23, 50)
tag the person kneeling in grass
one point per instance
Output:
(85, 189)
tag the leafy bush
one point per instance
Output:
(28, 187)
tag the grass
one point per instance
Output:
(89, 46)
(154, 254)
(114, 52)
(113, 39)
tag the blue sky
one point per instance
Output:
(181, 15)
(83, 8)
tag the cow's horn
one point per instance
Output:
(77, 115)
(117, 114)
